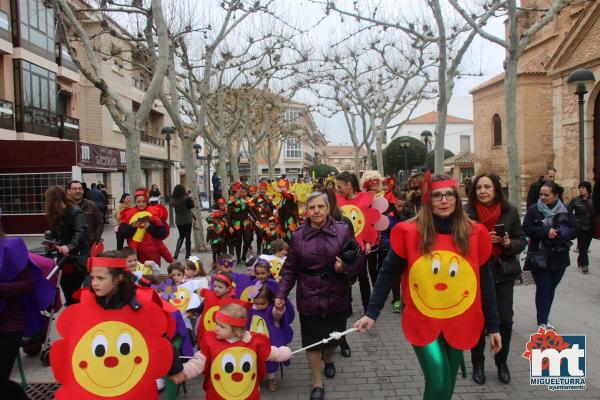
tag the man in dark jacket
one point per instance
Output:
(534, 190)
(93, 218)
(97, 197)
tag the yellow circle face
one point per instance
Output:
(138, 236)
(182, 299)
(209, 319)
(110, 359)
(356, 216)
(275, 268)
(442, 284)
(259, 325)
(233, 373)
(246, 294)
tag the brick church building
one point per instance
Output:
(547, 108)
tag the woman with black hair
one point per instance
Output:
(183, 205)
(583, 209)
(488, 206)
(551, 228)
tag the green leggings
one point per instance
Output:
(439, 363)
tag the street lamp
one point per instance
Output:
(405, 145)
(426, 139)
(167, 131)
(582, 81)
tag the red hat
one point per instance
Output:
(390, 182)
(253, 188)
(108, 262)
(221, 200)
(142, 192)
(263, 185)
(237, 185)
(283, 183)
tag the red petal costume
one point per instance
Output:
(441, 290)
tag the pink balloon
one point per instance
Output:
(382, 224)
(381, 204)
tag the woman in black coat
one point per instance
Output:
(583, 209)
(68, 227)
(488, 206)
(551, 229)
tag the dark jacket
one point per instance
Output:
(312, 252)
(512, 223)
(12, 317)
(97, 197)
(71, 232)
(534, 191)
(183, 210)
(584, 213)
(557, 249)
(93, 220)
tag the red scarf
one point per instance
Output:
(488, 217)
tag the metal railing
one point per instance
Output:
(152, 140)
(69, 128)
(7, 114)
(40, 121)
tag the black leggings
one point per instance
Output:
(185, 234)
(9, 347)
(365, 286)
(584, 238)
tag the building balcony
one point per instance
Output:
(139, 83)
(152, 140)
(66, 67)
(7, 115)
(69, 128)
(39, 121)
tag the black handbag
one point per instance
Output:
(508, 266)
(535, 260)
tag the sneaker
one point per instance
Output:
(271, 385)
(397, 306)
(548, 327)
(160, 384)
(584, 269)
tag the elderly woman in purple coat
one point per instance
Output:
(314, 262)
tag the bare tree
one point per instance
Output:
(514, 43)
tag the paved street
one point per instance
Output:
(383, 364)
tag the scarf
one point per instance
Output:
(488, 217)
(549, 213)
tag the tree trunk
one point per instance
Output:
(512, 148)
(270, 162)
(379, 149)
(189, 160)
(252, 155)
(357, 161)
(233, 158)
(223, 172)
(132, 154)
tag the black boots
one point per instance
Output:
(503, 372)
(478, 374)
(178, 247)
(344, 347)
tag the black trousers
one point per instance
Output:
(185, 235)
(247, 237)
(9, 347)
(545, 285)
(365, 286)
(70, 283)
(235, 244)
(373, 265)
(583, 244)
(504, 300)
(120, 241)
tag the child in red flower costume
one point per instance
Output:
(145, 228)
(446, 283)
(114, 342)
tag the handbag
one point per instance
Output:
(535, 260)
(508, 266)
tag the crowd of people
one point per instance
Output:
(429, 251)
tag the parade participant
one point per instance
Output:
(135, 267)
(287, 213)
(275, 323)
(176, 272)
(145, 228)
(413, 203)
(314, 262)
(127, 330)
(583, 209)
(389, 189)
(371, 182)
(261, 210)
(183, 205)
(216, 231)
(240, 281)
(270, 232)
(222, 293)
(262, 274)
(232, 359)
(550, 228)
(68, 227)
(279, 250)
(193, 270)
(252, 189)
(238, 222)
(124, 202)
(488, 206)
(443, 255)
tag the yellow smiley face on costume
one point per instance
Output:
(356, 216)
(110, 359)
(275, 268)
(442, 284)
(233, 373)
(138, 236)
(259, 325)
(182, 299)
(209, 319)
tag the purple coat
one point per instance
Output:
(313, 251)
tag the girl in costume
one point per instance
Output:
(265, 318)
(232, 359)
(262, 274)
(288, 210)
(371, 182)
(279, 250)
(261, 210)
(216, 231)
(145, 228)
(271, 232)
(448, 288)
(237, 219)
(177, 272)
(193, 270)
(127, 329)
(222, 293)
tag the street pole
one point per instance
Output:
(169, 180)
(580, 94)
(210, 202)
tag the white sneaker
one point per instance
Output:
(548, 327)
(160, 384)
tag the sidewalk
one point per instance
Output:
(384, 366)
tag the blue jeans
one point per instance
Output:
(546, 283)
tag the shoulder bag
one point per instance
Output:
(508, 266)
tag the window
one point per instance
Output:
(39, 87)
(464, 172)
(37, 28)
(24, 193)
(347, 165)
(293, 148)
(497, 129)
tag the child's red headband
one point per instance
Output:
(142, 193)
(108, 262)
(370, 182)
(229, 320)
(224, 278)
(427, 186)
